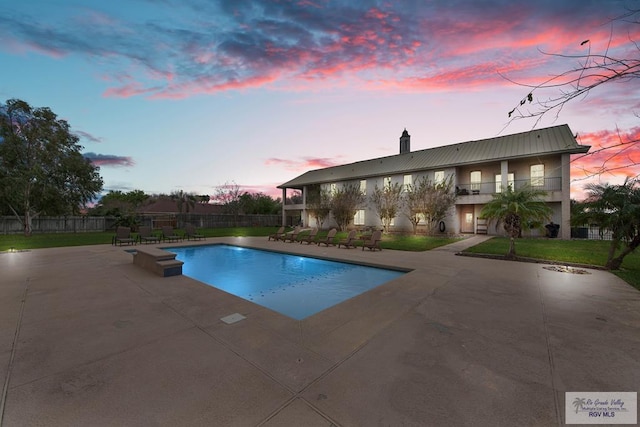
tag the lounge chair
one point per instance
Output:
(309, 238)
(191, 233)
(169, 234)
(123, 235)
(328, 240)
(373, 242)
(291, 236)
(146, 235)
(350, 241)
(277, 235)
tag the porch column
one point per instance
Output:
(284, 202)
(305, 221)
(565, 206)
(504, 175)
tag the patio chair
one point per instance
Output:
(292, 236)
(146, 235)
(328, 240)
(169, 234)
(373, 242)
(123, 235)
(350, 241)
(277, 235)
(310, 237)
(191, 233)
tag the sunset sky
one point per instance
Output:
(187, 95)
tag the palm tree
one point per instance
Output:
(512, 208)
(184, 200)
(615, 208)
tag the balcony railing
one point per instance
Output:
(549, 184)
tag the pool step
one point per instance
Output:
(158, 261)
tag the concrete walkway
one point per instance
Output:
(89, 339)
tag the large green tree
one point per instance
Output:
(513, 208)
(615, 208)
(119, 203)
(41, 168)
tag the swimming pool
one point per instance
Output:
(293, 285)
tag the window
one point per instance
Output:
(408, 182)
(438, 177)
(386, 181)
(333, 188)
(476, 178)
(358, 218)
(510, 182)
(363, 186)
(537, 175)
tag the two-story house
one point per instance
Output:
(540, 158)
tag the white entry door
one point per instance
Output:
(467, 221)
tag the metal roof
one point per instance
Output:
(552, 140)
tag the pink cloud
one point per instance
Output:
(305, 163)
(126, 91)
(613, 156)
(288, 44)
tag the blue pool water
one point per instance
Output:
(293, 285)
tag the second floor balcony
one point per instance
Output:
(550, 185)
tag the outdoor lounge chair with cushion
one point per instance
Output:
(291, 236)
(191, 233)
(169, 234)
(277, 235)
(123, 235)
(350, 241)
(328, 240)
(373, 242)
(146, 235)
(310, 237)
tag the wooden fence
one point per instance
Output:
(58, 224)
(84, 224)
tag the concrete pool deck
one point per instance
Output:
(88, 338)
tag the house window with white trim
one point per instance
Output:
(408, 182)
(438, 177)
(476, 179)
(386, 182)
(363, 186)
(537, 175)
(333, 188)
(358, 218)
(510, 182)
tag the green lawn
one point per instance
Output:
(52, 240)
(20, 242)
(592, 252)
